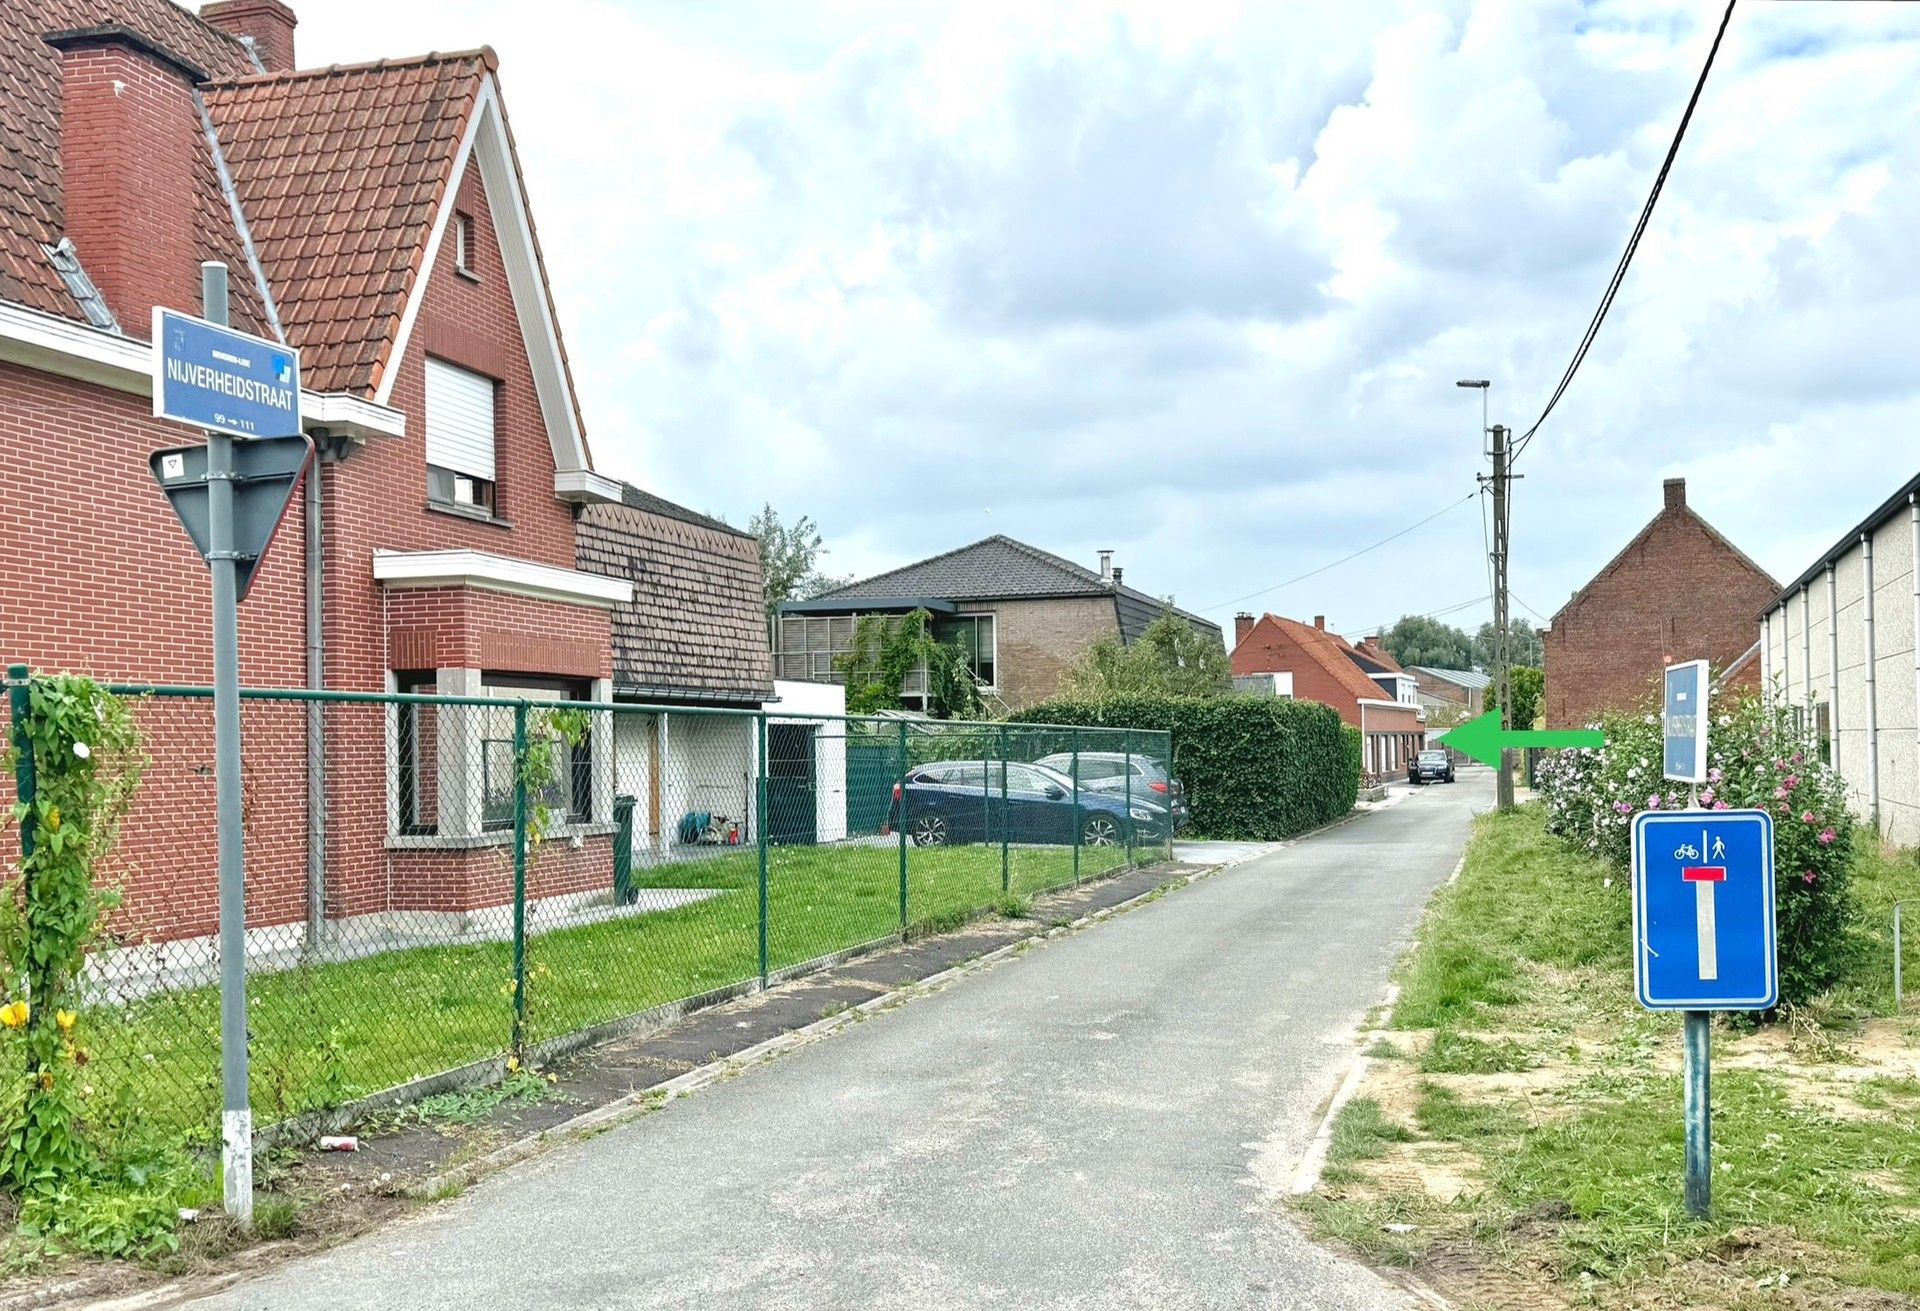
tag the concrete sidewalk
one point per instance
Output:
(1107, 1120)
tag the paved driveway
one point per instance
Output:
(1108, 1120)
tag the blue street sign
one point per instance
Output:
(1684, 722)
(1703, 910)
(213, 377)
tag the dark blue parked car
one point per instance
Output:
(949, 801)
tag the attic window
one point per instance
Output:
(66, 262)
(463, 244)
(460, 438)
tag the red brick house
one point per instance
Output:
(374, 218)
(1678, 591)
(1363, 683)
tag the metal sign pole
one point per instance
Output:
(236, 1120)
(1698, 1107)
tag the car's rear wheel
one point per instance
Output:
(1100, 831)
(930, 831)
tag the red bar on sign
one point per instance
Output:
(1704, 873)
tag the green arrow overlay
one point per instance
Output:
(1483, 738)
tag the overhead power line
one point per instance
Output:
(1633, 242)
(1441, 613)
(1334, 564)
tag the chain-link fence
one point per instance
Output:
(434, 881)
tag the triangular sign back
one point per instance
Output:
(266, 473)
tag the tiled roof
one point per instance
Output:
(998, 568)
(696, 627)
(32, 214)
(1331, 652)
(340, 172)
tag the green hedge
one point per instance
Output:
(1254, 767)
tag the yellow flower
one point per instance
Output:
(513, 1065)
(14, 1014)
(65, 1019)
(53, 817)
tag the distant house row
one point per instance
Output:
(1023, 617)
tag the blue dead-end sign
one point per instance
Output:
(212, 377)
(1703, 911)
(1683, 722)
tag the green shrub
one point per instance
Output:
(1254, 767)
(1756, 759)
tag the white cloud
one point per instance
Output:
(1194, 281)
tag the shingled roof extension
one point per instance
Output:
(696, 627)
(32, 208)
(998, 568)
(341, 172)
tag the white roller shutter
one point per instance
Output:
(459, 420)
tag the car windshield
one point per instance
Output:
(1433, 757)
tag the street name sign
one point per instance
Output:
(1703, 922)
(265, 475)
(1683, 722)
(212, 377)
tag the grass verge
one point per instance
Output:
(326, 1033)
(1529, 1145)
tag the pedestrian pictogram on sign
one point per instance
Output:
(1703, 911)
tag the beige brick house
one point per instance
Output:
(1023, 615)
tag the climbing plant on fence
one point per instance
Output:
(1254, 767)
(76, 760)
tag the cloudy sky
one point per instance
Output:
(1194, 280)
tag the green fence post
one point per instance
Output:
(20, 703)
(1126, 758)
(519, 878)
(1006, 869)
(1167, 846)
(902, 774)
(623, 890)
(761, 828)
(1074, 756)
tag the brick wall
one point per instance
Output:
(1037, 642)
(1678, 592)
(100, 579)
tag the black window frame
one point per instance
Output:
(407, 744)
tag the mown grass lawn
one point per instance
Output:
(322, 1034)
(1539, 1108)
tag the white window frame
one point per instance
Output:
(453, 441)
(463, 244)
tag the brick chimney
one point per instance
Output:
(1242, 625)
(266, 25)
(1676, 493)
(130, 137)
(1320, 622)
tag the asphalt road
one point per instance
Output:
(1108, 1120)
